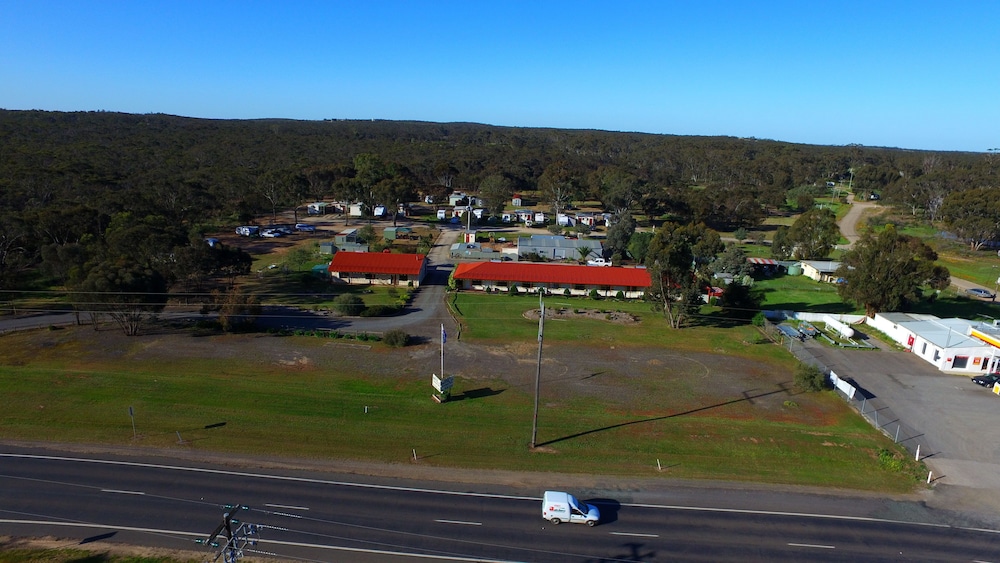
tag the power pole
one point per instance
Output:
(538, 370)
(237, 540)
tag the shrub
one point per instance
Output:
(396, 338)
(759, 319)
(567, 292)
(512, 290)
(594, 294)
(810, 378)
(380, 311)
(349, 305)
(620, 295)
(740, 234)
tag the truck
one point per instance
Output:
(560, 507)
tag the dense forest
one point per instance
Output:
(84, 191)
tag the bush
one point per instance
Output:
(396, 338)
(759, 319)
(810, 378)
(512, 290)
(380, 311)
(594, 294)
(349, 305)
(620, 295)
(567, 292)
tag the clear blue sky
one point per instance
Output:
(909, 74)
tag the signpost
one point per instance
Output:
(131, 414)
(442, 385)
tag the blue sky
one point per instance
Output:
(920, 75)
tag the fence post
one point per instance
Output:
(896, 439)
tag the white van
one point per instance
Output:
(563, 507)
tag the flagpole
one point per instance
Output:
(442, 351)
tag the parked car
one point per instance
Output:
(980, 292)
(284, 229)
(305, 227)
(986, 380)
(598, 262)
(270, 233)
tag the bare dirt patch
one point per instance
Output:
(618, 317)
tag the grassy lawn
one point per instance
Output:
(69, 393)
(799, 293)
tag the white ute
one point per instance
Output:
(563, 507)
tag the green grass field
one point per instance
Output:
(58, 390)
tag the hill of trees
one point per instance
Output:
(77, 190)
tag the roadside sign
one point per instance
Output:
(442, 385)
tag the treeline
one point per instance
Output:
(71, 181)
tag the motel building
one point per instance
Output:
(553, 278)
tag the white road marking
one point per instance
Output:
(635, 535)
(286, 507)
(484, 495)
(122, 492)
(812, 545)
(460, 522)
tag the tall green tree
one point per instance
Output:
(496, 190)
(782, 244)
(973, 215)
(559, 186)
(675, 288)
(886, 271)
(814, 234)
(619, 234)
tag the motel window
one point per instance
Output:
(960, 362)
(923, 350)
(937, 355)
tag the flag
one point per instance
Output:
(444, 335)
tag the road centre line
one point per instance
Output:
(482, 495)
(459, 522)
(116, 491)
(635, 535)
(812, 545)
(286, 507)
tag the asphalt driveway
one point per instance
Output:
(953, 420)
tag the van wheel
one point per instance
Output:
(591, 523)
(555, 521)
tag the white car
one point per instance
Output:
(598, 262)
(305, 227)
(563, 507)
(270, 233)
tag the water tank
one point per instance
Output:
(795, 270)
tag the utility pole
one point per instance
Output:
(538, 370)
(237, 540)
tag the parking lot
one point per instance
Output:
(952, 419)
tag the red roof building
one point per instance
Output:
(378, 268)
(579, 280)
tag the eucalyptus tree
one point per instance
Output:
(886, 271)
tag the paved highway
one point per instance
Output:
(325, 517)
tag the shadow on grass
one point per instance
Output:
(782, 388)
(480, 393)
(99, 537)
